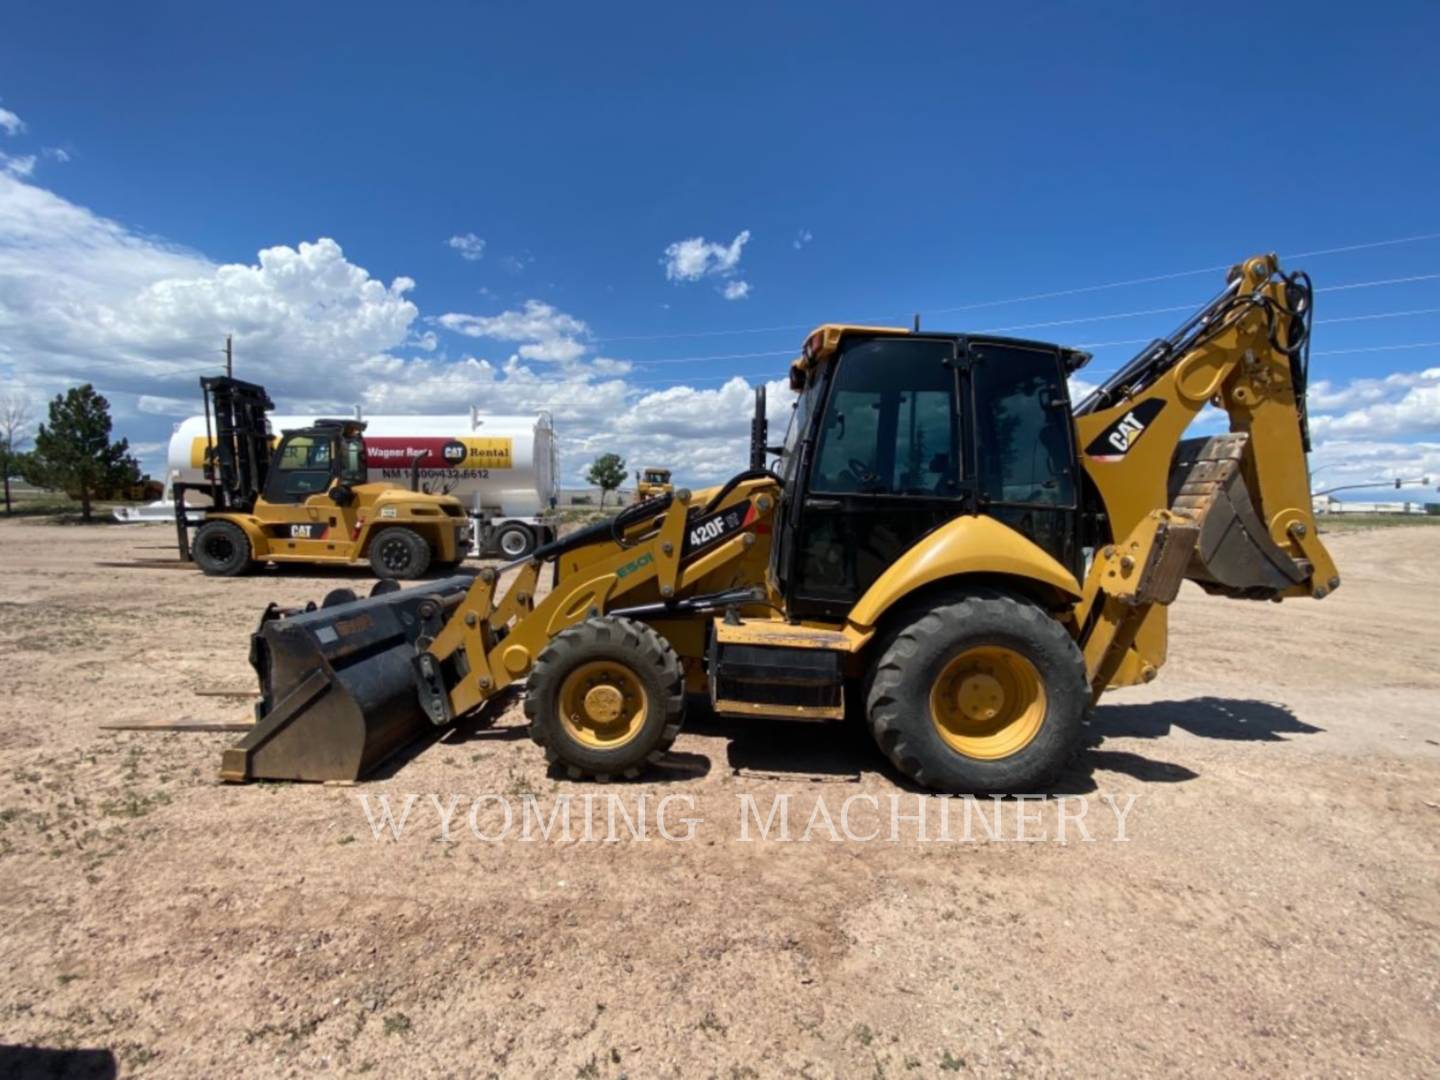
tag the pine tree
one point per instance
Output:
(74, 452)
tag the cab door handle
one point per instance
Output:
(822, 504)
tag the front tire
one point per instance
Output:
(399, 554)
(982, 694)
(606, 698)
(221, 549)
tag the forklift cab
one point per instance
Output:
(328, 457)
(895, 433)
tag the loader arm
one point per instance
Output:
(650, 561)
(1232, 513)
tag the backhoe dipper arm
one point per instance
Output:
(1241, 521)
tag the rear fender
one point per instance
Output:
(969, 546)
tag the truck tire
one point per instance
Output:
(514, 541)
(984, 693)
(221, 549)
(605, 698)
(399, 553)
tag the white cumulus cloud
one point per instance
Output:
(21, 165)
(736, 290)
(86, 299)
(470, 246)
(1401, 404)
(10, 123)
(545, 333)
(696, 258)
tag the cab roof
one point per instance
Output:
(822, 343)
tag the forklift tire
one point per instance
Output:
(514, 542)
(221, 549)
(984, 693)
(605, 698)
(399, 553)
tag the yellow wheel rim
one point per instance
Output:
(988, 703)
(603, 704)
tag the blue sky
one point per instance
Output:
(877, 160)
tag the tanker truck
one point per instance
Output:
(503, 469)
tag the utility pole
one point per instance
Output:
(229, 357)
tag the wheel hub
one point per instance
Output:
(988, 702)
(981, 697)
(603, 704)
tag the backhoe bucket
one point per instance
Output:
(337, 684)
(1234, 555)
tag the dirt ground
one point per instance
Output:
(1273, 908)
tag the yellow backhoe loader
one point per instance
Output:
(945, 544)
(306, 499)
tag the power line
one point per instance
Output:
(1378, 315)
(1383, 281)
(1379, 348)
(1068, 322)
(1320, 252)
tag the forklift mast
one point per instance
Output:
(237, 453)
(237, 458)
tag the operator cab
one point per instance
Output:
(310, 460)
(896, 433)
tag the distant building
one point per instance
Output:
(1325, 504)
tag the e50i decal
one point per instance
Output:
(1115, 441)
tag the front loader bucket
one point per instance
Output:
(337, 684)
(1234, 554)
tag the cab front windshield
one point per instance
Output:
(799, 419)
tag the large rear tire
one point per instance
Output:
(221, 549)
(983, 693)
(606, 698)
(399, 553)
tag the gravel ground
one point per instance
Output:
(1271, 909)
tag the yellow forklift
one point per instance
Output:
(308, 500)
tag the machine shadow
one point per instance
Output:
(1230, 719)
(35, 1062)
(841, 752)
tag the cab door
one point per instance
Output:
(299, 513)
(1026, 471)
(885, 469)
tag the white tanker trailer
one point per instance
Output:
(503, 468)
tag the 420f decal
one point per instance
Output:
(1115, 441)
